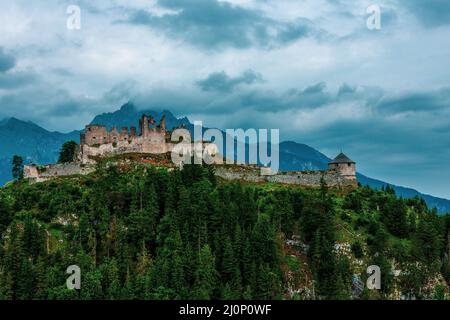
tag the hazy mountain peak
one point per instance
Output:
(128, 107)
(12, 123)
(11, 120)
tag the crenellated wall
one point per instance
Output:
(97, 141)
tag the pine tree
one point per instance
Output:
(263, 241)
(229, 263)
(91, 288)
(25, 280)
(189, 264)
(248, 266)
(248, 294)
(68, 152)
(17, 167)
(205, 276)
(127, 292)
(41, 284)
(264, 283)
(426, 242)
(394, 217)
(6, 213)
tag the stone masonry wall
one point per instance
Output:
(47, 172)
(227, 172)
(98, 141)
(307, 179)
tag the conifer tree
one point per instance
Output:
(68, 152)
(205, 276)
(17, 167)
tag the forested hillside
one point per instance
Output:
(140, 232)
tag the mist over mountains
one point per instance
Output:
(38, 145)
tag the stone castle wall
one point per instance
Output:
(137, 145)
(98, 141)
(228, 172)
(47, 172)
(302, 178)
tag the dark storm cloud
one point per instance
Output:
(12, 80)
(221, 82)
(215, 24)
(43, 104)
(216, 98)
(310, 97)
(393, 145)
(417, 102)
(9, 77)
(231, 94)
(431, 13)
(7, 61)
(66, 108)
(346, 89)
(220, 94)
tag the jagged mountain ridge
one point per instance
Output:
(128, 116)
(37, 145)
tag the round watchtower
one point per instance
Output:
(344, 166)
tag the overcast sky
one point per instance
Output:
(309, 67)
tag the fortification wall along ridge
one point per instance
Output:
(97, 142)
(302, 178)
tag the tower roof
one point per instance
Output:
(342, 158)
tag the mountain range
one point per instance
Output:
(38, 145)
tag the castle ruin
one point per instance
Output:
(152, 139)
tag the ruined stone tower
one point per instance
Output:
(143, 125)
(96, 140)
(344, 166)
